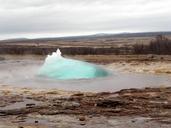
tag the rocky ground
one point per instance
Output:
(131, 108)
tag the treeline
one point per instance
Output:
(43, 50)
(160, 45)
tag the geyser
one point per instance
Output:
(58, 67)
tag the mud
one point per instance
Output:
(35, 108)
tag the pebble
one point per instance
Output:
(82, 118)
(20, 127)
(82, 123)
(36, 121)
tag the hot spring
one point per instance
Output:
(58, 67)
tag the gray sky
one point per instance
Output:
(49, 18)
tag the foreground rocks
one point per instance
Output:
(153, 103)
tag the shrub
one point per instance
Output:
(160, 45)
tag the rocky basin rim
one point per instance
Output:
(21, 105)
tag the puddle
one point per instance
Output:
(19, 105)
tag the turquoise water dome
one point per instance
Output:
(58, 67)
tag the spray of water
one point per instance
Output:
(58, 67)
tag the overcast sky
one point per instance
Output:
(49, 18)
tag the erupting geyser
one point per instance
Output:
(58, 67)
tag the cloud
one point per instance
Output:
(60, 17)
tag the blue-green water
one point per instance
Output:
(58, 67)
(15, 73)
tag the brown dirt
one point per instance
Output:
(153, 103)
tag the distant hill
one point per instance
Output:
(15, 39)
(108, 35)
(95, 36)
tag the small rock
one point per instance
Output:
(113, 102)
(36, 121)
(30, 105)
(70, 104)
(82, 118)
(3, 114)
(133, 121)
(90, 116)
(78, 94)
(162, 58)
(82, 123)
(20, 127)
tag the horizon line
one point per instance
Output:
(84, 35)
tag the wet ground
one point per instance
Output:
(131, 108)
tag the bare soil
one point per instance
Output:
(30, 108)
